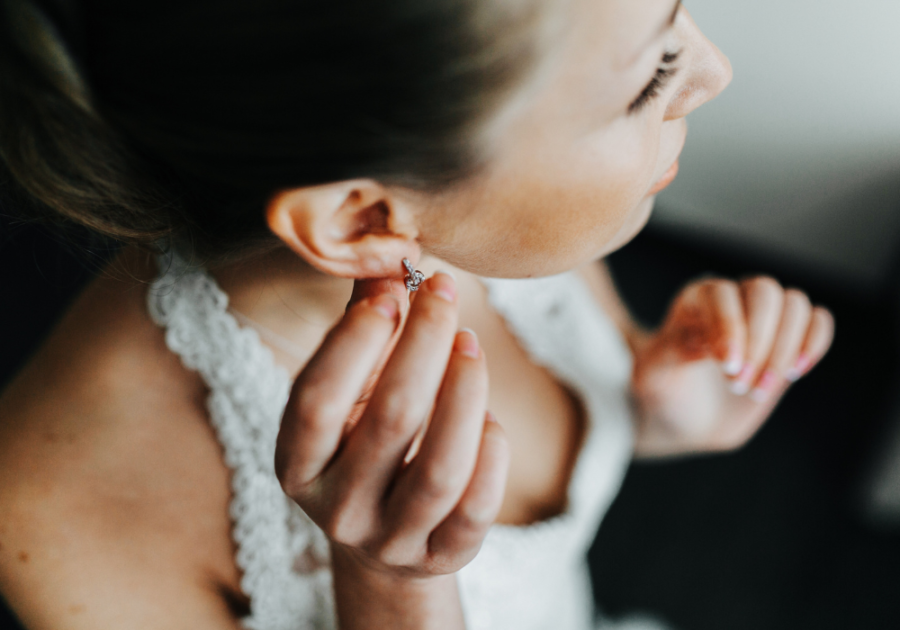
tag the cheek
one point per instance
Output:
(619, 164)
(582, 204)
(556, 210)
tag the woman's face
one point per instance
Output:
(576, 160)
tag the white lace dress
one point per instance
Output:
(524, 578)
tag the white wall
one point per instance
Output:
(801, 155)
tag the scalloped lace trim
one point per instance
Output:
(248, 393)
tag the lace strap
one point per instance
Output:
(248, 393)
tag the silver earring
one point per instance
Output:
(413, 278)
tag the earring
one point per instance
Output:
(413, 278)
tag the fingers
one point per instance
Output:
(367, 289)
(787, 336)
(403, 397)
(328, 387)
(815, 345)
(459, 537)
(763, 304)
(764, 335)
(795, 320)
(433, 482)
(729, 329)
(370, 288)
(707, 320)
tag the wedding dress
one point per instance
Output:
(531, 577)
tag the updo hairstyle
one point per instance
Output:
(179, 119)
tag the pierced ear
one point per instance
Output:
(350, 229)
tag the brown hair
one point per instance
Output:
(180, 118)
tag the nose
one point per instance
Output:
(708, 71)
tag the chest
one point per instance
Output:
(544, 422)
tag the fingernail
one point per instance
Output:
(443, 285)
(467, 343)
(800, 368)
(739, 388)
(763, 389)
(732, 367)
(741, 385)
(491, 417)
(387, 306)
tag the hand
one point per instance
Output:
(388, 517)
(726, 354)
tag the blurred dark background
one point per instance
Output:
(776, 536)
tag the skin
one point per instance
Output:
(117, 502)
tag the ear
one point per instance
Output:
(351, 229)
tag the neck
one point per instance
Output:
(283, 294)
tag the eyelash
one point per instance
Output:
(659, 81)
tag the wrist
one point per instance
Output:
(370, 596)
(353, 567)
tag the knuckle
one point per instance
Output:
(451, 561)
(797, 299)
(361, 319)
(721, 285)
(707, 290)
(727, 295)
(395, 552)
(764, 284)
(291, 485)
(824, 317)
(395, 418)
(289, 473)
(707, 278)
(333, 528)
(475, 519)
(342, 526)
(693, 293)
(316, 413)
(387, 555)
(314, 406)
(359, 309)
(437, 482)
(443, 563)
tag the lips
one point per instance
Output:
(665, 180)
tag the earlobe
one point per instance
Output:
(351, 229)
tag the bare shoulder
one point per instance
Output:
(113, 493)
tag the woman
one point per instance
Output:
(285, 157)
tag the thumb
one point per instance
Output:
(365, 288)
